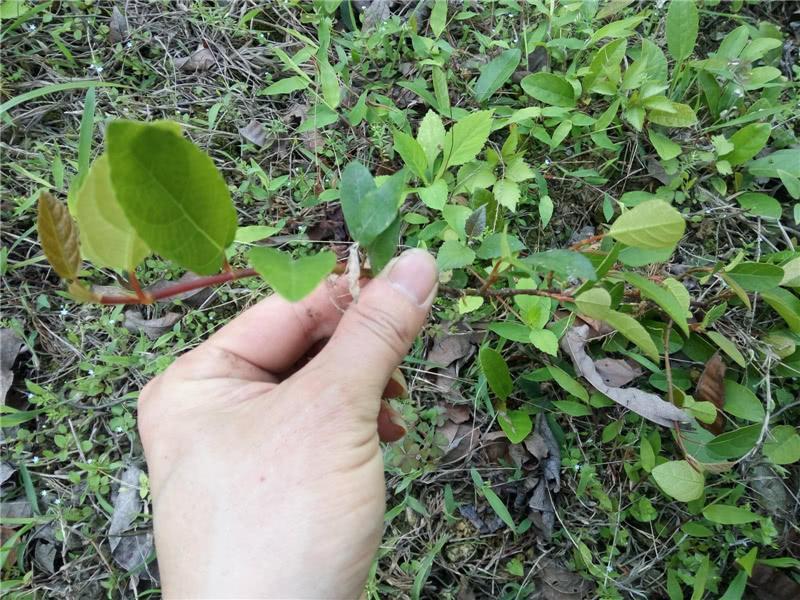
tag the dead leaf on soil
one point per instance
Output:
(616, 372)
(6, 533)
(127, 505)
(711, 388)
(376, 13)
(559, 584)
(449, 348)
(152, 328)
(768, 583)
(201, 59)
(10, 346)
(117, 26)
(548, 484)
(462, 440)
(457, 413)
(254, 133)
(6, 471)
(649, 406)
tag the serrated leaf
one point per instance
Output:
(682, 25)
(476, 222)
(411, 152)
(58, 236)
(518, 170)
(756, 277)
(496, 371)
(435, 195)
(292, 279)
(678, 479)
(725, 514)
(549, 88)
(747, 142)
(651, 224)
(661, 297)
(467, 137)
(495, 73)
(430, 136)
(107, 237)
(454, 255)
(516, 424)
(172, 194)
(507, 193)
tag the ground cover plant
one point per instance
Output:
(605, 401)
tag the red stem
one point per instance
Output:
(179, 288)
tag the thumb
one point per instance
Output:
(375, 332)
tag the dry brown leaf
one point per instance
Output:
(548, 484)
(462, 440)
(200, 60)
(711, 388)
(376, 13)
(117, 26)
(152, 328)
(536, 445)
(58, 235)
(254, 133)
(559, 584)
(10, 346)
(768, 583)
(616, 372)
(457, 413)
(449, 348)
(650, 406)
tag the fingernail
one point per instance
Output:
(414, 273)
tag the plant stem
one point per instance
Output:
(505, 293)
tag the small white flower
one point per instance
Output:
(129, 45)
(738, 92)
(30, 395)
(31, 27)
(111, 321)
(35, 460)
(63, 312)
(548, 162)
(96, 68)
(118, 429)
(90, 461)
(91, 372)
(44, 493)
(56, 501)
(577, 467)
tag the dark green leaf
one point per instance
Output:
(495, 73)
(495, 370)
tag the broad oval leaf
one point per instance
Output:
(430, 136)
(285, 86)
(736, 443)
(679, 115)
(368, 210)
(466, 138)
(496, 371)
(107, 236)
(568, 383)
(786, 304)
(292, 279)
(566, 263)
(411, 152)
(747, 142)
(661, 297)
(516, 424)
(651, 224)
(58, 236)
(725, 514)
(678, 479)
(682, 25)
(741, 402)
(783, 445)
(728, 347)
(454, 255)
(172, 194)
(495, 73)
(550, 89)
(756, 277)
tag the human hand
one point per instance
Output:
(268, 485)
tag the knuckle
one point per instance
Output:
(384, 326)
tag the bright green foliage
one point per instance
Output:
(454, 255)
(651, 224)
(549, 89)
(742, 403)
(782, 446)
(678, 479)
(368, 209)
(516, 424)
(495, 73)
(466, 138)
(756, 277)
(107, 237)
(682, 25)
(725, 514)
(172, 194)
(747, 142)
(292, 279)
(662, 297)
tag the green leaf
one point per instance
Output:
(756, 277)
(545, 340)
(467, 137)
(736, 443)
(454, 255)
(383, 247)
(518, 170)
(545, 210)
(107, 237)
(329, 82)
(549, 89)
(468, 304)
(172, 194)
(741, 402)
(506, 192)
(633, 330)
(647, 455)
(725, 514)
(292, 279)
(568, 383)
(511, 330)
(498, 506)
(430, 136)
(651, 224)
(496, 371)
(368, 210)
(605, 67)
(85, 139)
(640, 257)
(566, 263)
(594, 303)
(434, 196)
(572, 408)
(728, 347)
(666, 148)
(760, 205)
(736, 588)
(438, 18)
(678, 479)
(772, 164)
(747, 142)
(319, 116)
(285, 86)
(495, 73)
(786, 304)
(412, 153)
(679, 115)
(661, 297)
(516, 424)
(783, 445)
(682, 25)
(254, 233)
